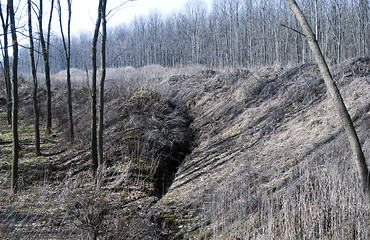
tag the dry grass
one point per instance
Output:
(146, 138)
(268, 160)
(272, 161)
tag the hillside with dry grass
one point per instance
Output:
(194, 153)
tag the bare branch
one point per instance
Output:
(114, 10)
(290, 28)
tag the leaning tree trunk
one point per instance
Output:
(336, 98)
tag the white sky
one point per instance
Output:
(84, 12)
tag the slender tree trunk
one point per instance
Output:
(8, 85)
(70, 104)
(6, 66)
(102, 81)
(364, 6)
(67, 52)
(35, 84)
(68, 58)
(316, 20)
(337, 100)
(277, 55)
(14, 177)
(94, 144)
(45, 53)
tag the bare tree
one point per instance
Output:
(97, 143)
(237, 33)
(6, 65)
(14, 177)
(35, 83)
(67, 52)
(94, 141)
(337, 99)
(102, 81)
(364, 23)
(45, 44)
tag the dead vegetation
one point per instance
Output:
(265, 158)
(272, 160)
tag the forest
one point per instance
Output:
(233, 33)
(227, 119)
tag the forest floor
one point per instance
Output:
(194, 153)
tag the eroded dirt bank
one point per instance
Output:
(195, 153)
(270, 155)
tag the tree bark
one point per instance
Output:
(35, 83)
(45, 53)
(94, 144)
(6, 66)
(14, 177)
(67, 53)
(337, 100)
(102, 81)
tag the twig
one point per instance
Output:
(293, 30)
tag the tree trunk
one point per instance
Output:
(45, 53)
(67, 52)
(337, 100)
(364, 6)
(14, 177)
(6, 66)
(70, 104)
(35, 84)
(102, 80)
(94, 144)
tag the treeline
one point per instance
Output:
(231, 33)
(241, 33)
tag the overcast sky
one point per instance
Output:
(84, 12)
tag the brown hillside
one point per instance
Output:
(271, 159)
(193, 153)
